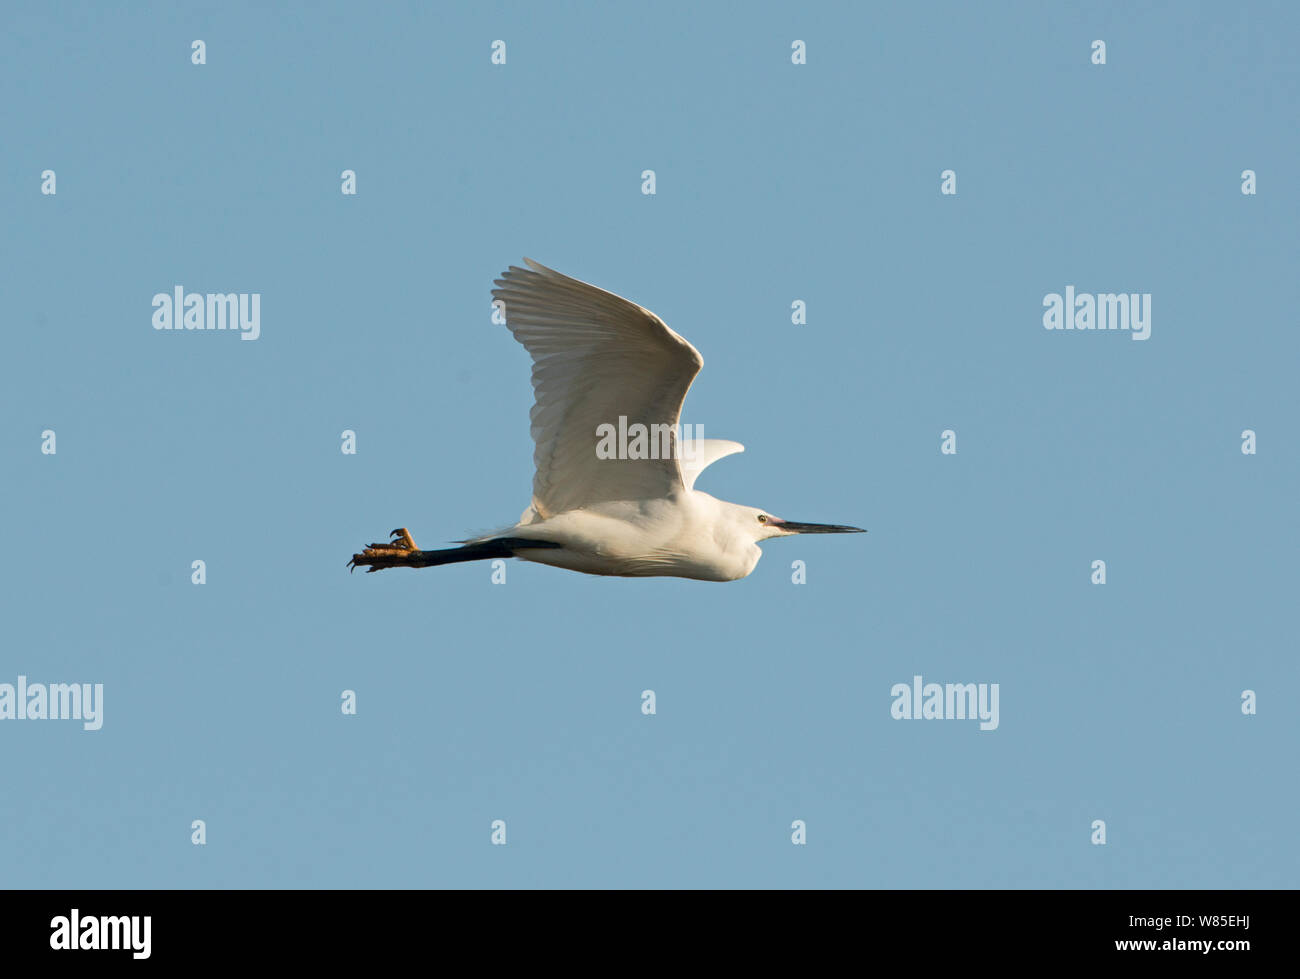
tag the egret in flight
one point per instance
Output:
(600, 361)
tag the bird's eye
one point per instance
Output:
(762, 518)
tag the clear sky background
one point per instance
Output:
(522, 701)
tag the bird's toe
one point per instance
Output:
(398, 552)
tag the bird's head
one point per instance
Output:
(762, 525)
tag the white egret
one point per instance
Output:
(599, 359)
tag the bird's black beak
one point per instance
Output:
(795, 527)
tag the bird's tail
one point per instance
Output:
(497, 547)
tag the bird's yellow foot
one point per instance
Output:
(397, 553)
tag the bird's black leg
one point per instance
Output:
(401, 552)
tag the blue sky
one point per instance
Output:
(775, 182)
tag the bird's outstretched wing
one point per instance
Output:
(596, 358)
(698, 455)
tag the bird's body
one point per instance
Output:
(685, 536)
(603, 364)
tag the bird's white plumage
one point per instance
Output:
(599, 360)
(699, 454)
(596, 357)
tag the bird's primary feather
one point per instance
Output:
(596, 357)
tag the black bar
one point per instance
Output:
(978, 929)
